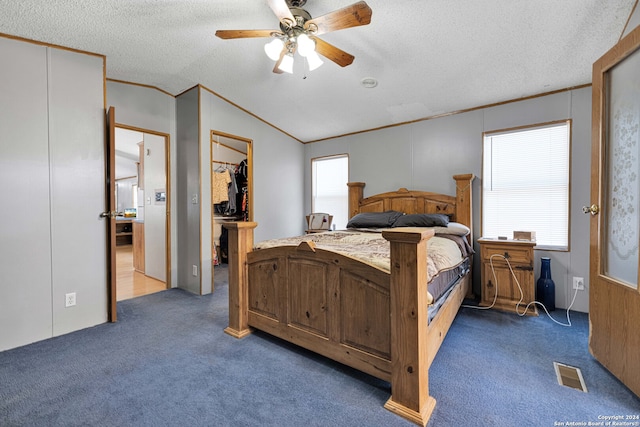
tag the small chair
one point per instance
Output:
(318, 222)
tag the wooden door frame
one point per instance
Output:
(249, 155)
(112, 300)
(112, 313)
(167, 177)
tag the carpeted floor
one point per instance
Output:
(167, 362)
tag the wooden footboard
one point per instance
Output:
(323, 301)
(351, 312)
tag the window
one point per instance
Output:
(329, 191)
(525, 183)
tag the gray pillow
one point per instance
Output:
(374, 219)
(422, 220)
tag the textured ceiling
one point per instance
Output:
(429, 56)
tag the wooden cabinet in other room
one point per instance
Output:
(124, 232)
(138, 246)
(498, 278)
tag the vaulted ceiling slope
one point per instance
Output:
(429, 57)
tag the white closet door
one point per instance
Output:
(25, 249)
(77, 150)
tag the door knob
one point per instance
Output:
(108, 214)
(593, 210)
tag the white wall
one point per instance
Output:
(425, 155)
(53, 241)
(188, 198)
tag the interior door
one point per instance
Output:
(614, 298)
(111, 213)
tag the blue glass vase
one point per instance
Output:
(545, 287)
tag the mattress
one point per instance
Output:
(440, 284)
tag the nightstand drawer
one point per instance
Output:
(513, 254)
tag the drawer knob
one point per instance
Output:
(506, 255)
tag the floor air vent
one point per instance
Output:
(569, 376)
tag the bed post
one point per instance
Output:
(464, 202)
(356, 194)
(240, 244)
(464, 209)
(409, 351)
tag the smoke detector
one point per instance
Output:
(369, 83)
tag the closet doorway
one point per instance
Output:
(142, 222)
(231, 187)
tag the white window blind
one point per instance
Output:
(329, 191)
(525, 184)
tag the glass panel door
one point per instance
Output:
(622, 189)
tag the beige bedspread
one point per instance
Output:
(373, 249)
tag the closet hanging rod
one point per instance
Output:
(224, 163)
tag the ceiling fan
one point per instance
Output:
(299, 33)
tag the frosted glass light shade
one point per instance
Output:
(314, 61)
(305, 45)
(286, 64)
(273, 49)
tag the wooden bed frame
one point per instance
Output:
(348, 311)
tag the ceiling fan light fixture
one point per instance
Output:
(314, 61)
(273, 49)
(305, 45)
(286, 64)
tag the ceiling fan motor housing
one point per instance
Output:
(296, 3)
(301, 16)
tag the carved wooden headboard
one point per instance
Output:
(458, 207)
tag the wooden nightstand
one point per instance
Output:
(520, 256)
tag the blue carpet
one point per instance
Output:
(167, 362)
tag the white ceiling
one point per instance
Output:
(430, 57)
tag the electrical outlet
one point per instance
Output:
(578, 283)
(194, 270)
(70, 299)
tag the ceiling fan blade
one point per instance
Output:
(243, 34)
(281, 9)
(332, 53)
(351, 16)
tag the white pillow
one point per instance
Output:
(453, 228)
